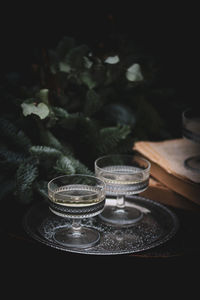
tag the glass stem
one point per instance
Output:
(120, 201)
(76, 226)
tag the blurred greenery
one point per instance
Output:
(75, 105)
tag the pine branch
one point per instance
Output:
(60, 112)
(42, 188)
(70, 165)
(110, 137)
(16, 137)
(25, 177)
(44, 152)
(67, 149)
(10, 159)
(124, 146)
(64, 166)
(47, 138)
(69, 121)
(80, 168)
(65, 119)
(88, 132)
(93, 103)
(74, 58)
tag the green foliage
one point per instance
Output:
(80, 168)
(41, 188)
(10, 160)
(110, 137)
(25, 176)
(13, 135)
(82, 106)
(92, 104)
(44, 151)
(64, 166)
(47, 138)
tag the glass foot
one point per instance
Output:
(193, 163)
(83, 238)
(120, 217)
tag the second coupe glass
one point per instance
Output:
(124, 175)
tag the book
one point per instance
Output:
(161, 193)
(167, 165)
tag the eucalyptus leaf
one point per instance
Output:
(60, 112)
(87, 79)
(43, 95)
(41, 110)
(75, 56)
(64, 67)
(134, 73)
(87, 62)
(112, 60)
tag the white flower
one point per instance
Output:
(112, 60)
(133, 73)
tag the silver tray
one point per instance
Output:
(158, 225)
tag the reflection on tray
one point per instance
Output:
(113, 202)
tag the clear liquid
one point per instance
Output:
(76, 195)
(124, 179)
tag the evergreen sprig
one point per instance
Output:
(64, 166)
(43, 151)
(110, 137)
(13, 135)
(25, 177)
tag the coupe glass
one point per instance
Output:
(123, 175)
(191, 131)
(76, 197)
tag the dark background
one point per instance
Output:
(169, 33)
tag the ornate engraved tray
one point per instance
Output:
(158, 225)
